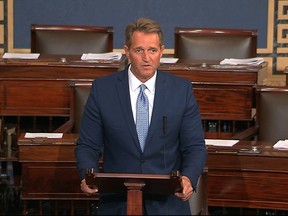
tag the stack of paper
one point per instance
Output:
(281, 144)
(102, 56)
(21, 56)
(43, 135)
(220, 142)
(168, 60)
(248, 61)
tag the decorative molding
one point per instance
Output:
(280, 41)
(2, 26)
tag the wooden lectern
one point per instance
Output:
(134, 185)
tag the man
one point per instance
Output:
(174, 140)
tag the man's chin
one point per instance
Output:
(148, 72)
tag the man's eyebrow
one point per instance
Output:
(147, 48)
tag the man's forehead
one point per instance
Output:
(147, 40)
(151, 35)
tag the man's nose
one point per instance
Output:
(145, 55)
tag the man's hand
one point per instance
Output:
(87, 190)
(187, 189)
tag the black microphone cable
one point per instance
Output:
(164, 127)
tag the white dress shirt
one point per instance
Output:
(134, 89)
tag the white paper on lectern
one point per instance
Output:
(43, 135)
(220, 142)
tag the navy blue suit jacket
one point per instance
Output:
(107, 125)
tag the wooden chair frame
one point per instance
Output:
(79, 92)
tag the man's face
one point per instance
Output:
(144, 54)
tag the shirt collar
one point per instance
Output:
(134, 83)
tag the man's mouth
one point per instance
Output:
(145, 66)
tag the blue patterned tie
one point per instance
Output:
(142, 116)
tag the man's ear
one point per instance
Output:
(126, 50)
(162, 50)
(125, 47)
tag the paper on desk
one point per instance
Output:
(102, 56)
(21, 55)
(43, 135)
(247, 61)
(281, 144)
(168, 60)
(220, 142)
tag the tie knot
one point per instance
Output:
(142, 88)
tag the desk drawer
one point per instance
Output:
(233, 102)
(35, 98)
(51, 181)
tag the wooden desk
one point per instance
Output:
(234, 179)
(248, 180)
(224, 92)
(41, 87)
(49, 172)
(49, 168)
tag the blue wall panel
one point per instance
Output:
(241, 14)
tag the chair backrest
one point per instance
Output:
(214, 44)
(64, 39)
(79, 96)
(271, 113)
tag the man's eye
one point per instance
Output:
(138, 51)
(152, 50)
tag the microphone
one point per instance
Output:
(164, 121)
(164, 127)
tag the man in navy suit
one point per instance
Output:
(175, 138)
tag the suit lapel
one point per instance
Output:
(122, 87)
(161, 95)
(158, 106)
